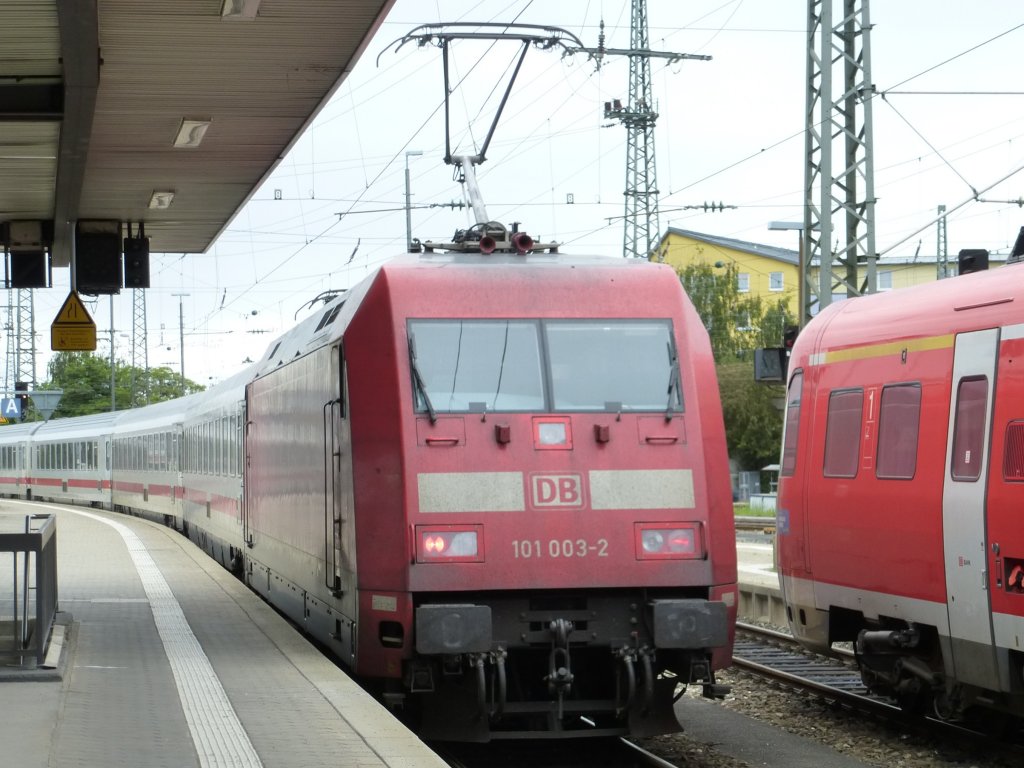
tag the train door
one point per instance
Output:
(339, 528)
(246, 467)
(963, 507)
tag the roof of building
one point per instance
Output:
(793, 257)
(784, 255)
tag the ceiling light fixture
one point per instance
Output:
(191, 132)
(244, 10)
(161, 200)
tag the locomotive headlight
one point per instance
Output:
(652, 541)
(668, 541)
(449, 543)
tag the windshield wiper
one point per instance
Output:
(673, 379)
(417, 380)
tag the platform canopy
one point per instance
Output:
(166, 112)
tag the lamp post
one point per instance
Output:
(113, 365)
(408, 205)
(802, 313)
(181, 334)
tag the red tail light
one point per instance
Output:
(449, 543)
(669, 541)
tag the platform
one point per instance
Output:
(160, 657)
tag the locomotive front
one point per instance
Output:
(564, 497)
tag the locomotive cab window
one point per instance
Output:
(462, 366)
(969, 429)
(598, 365)
(842, 433)
(466, 366)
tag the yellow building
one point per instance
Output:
(761, 270)
(772, 273)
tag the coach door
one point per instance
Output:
(963, 506)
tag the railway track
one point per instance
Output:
(755, 523)
(776, 656)
(573, 753)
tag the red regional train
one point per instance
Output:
(494, 486)
(902, 482)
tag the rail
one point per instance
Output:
(755, 523)
(32, 540)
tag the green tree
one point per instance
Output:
(739, 324)
(85, 379)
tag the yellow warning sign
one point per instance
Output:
(73, 330)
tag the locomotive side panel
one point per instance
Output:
(379, 497)
(290, 488)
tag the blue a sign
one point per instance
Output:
(10, 408)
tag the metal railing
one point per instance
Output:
(32, 540)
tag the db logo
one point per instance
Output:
(556, 490)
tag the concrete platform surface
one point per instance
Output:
(168, 660)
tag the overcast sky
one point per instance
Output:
(948, 123)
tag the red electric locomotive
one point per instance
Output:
(902, 481)
(496, 486)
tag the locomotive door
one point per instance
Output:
(339, 528)
(963, 507)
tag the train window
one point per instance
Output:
(842, 433)
(969, 429)
(899, 419)
(473, 365)
(613, 365)
(792, 426)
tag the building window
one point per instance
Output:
(842, 433)
(885, 280)
(774, 281)
(743, 282)
(898, 421)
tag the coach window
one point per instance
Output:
(613, 365)
(899, 419)
(969, 429)
(476, 365)
(1013, 452)
(842, 433)
(792, 426)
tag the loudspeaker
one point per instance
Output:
(30, 269)
(98, 261)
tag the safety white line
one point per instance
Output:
(218, 735)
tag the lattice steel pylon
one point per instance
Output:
(641, 226)
(10, 358)
(24, 337)
(941, 247)
(839, 206)
(140, 349)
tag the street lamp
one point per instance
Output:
(802, 314)
(181, 334)
(408, 206)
